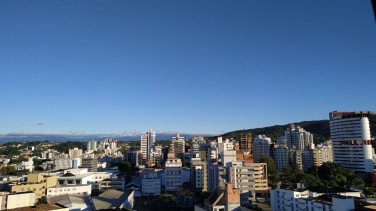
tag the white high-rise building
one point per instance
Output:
(261, 145)
(147, 145)
(326, 151)
(351, 139)
(298, 137)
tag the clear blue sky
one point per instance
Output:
(188, 66)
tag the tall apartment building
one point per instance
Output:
(261, 145)
(91, 146)
(281, 141)
(311, 157)
(90, 163)
(298, 137)
(173, 173)
(351, 139)
(326, 151)
(297, 158)
(281, 157)
(199, 175)
(220, 176)
(147, 145)
(75, 153)
(151, 184)
(245, 141)
(211, 173)
(250, 178)
(177, 145)
(228, 157)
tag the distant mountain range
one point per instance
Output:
(61, 137)
(319, 128)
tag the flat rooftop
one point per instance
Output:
(110, 198)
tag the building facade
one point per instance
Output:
(75, 153)
(173, 174)
(151, 184)
(147, 145)
(245, 141)
(298, 138)
(351, 139)
(261, 145)
(91, 146)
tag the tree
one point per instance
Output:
(310, 181)
(334, 175)
(292, 174)
(8, 170)
(184, 195)
(202, 197)
(123, 166)
(42, 200)
(158, 166)
(271, 169)
(164, 201)
(369, 191)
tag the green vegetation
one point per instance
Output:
(369, 191)
(10, 151)
(125, 167)
(8, 170)
(42, 200)
(271, 169)
(319, 128)
(202, 197)
(164, 201)
(65, 146)
(164, 143)
(329, 175)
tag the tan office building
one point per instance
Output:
(37, 183)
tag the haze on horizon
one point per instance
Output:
(110, 67)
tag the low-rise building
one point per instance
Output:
(113, 183)
(76, 177)
(314, 199)
(37, 183)
(223, 198)
(16, 200)
(69, 189)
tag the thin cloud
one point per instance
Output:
(41, 123)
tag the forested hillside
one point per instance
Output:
(320, 130)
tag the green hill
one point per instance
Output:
(319, 129)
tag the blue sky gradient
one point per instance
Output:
(192, 66)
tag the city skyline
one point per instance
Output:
(198, 67)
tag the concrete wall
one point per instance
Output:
(20, 200)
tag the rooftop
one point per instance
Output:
(110, 198)
(41, 207)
